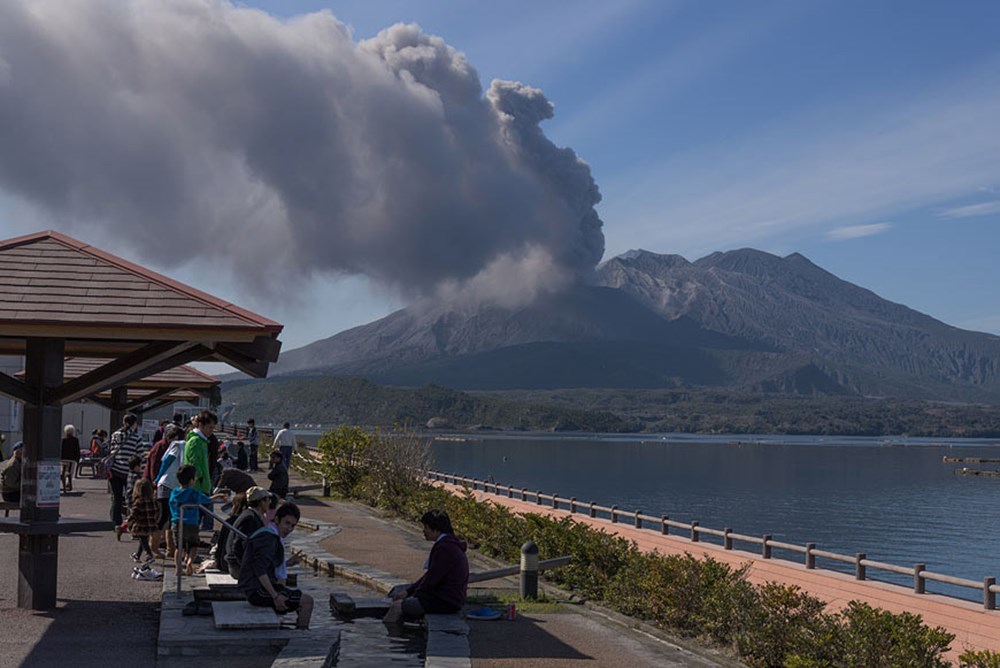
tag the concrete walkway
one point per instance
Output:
(103, 617)
(568, 638)
(973, 626)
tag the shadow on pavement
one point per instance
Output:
(523, 638)
(91, 634)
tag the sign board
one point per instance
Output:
(48, 484)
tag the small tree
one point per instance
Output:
(397, 461)
(345, 460)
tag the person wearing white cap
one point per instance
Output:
(10, 475)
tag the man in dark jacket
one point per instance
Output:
(261, 573)
(278, 475)
(441, 590)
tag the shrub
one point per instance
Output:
(981, 659)
(344, 453)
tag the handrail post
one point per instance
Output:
(475, 484)
(665, 526)
(694, 531)
(810, 557)
(593, 509)
(765, 547)
(524, 493)
(555, 500)
(614, 514)
(859, 568)
(572, 504)
(538, 497)
(727, 540)
(919, 585)
(510, 492)
(989, 596)
(638, 519)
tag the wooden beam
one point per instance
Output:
(241, 361)
(18, 390)
(149, 398)
(122, 370)
(263, 348)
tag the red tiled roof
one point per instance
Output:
(49, 278)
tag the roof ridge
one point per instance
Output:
(148, 274)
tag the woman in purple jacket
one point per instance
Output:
(441, 590)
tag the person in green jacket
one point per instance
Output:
(196, 450)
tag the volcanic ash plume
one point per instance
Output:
(195, 128)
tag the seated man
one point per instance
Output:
(441, 590)
(263, 559)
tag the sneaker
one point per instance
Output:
(149, 559)
(149, 574)
(135, 557)
(140, 569)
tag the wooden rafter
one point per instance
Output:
(17, 389)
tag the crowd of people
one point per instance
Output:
(155, 491)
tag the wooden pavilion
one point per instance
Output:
(61, 298)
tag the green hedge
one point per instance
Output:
(768, 625)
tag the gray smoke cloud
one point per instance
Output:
(293, 147)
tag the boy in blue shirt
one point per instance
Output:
(184, 495)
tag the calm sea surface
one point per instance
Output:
(894, 500)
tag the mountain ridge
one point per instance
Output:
(742, 319)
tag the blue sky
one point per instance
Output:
(861, 134)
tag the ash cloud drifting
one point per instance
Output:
(287, 147)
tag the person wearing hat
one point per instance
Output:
(259, 503)
(10, 475)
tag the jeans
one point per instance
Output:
(117, 498)
(253, 457)
(286, 455)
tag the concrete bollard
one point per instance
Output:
(529, 570)
(326, 487)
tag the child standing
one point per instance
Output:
(134, 474)
(185, 494)
(142, 521)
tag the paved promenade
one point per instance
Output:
(105, 618)
(973, 626)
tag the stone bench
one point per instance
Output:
(447, 641)
(346, 606)
(242, 615)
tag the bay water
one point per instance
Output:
(894, 500)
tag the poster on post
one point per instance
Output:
(48, 484)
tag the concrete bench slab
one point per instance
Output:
(242, 615)
(347, 607)
(220, 581)
(309, 653)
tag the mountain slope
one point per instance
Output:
(742, 320)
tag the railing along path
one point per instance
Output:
(694, 532)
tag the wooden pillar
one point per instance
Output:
(119, 400)
(38, 555)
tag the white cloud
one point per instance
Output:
(843, 164)
(984, 209)
(856, 231)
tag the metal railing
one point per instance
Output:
(179, 555)
(694, 532)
